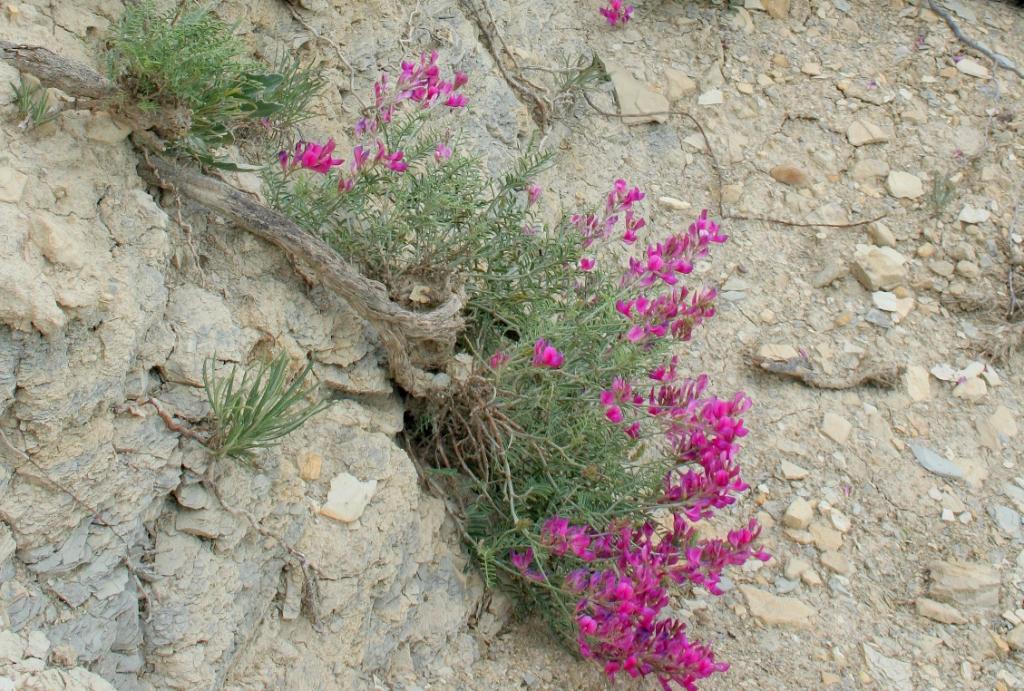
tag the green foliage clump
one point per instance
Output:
(189, 65)
(258, 409)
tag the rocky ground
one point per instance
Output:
(893, 513)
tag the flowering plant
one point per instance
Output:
(609, 560)
(584, 455)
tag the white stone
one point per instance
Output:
(919, 385)
(836, 428)
(973, 215)
(12, 646)
(973, 389)
(973, 68)
(635, 98)
(713, 97)
(878, 268)
(348, 498)
(777, 352)
(674, 204)
(904, 185)
(679, 84)
(791, 471)
(776, 611)
(943, 372)
(840, 521)
(863, 132)
(798, 515)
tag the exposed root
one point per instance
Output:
(885, 376)
(540, 107)
(168, 419)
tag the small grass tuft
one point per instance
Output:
(33, 104)
(260, 408)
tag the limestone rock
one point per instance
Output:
(933, 462)
(939, 611)
(777, 611)
(309, 465)
(679, 84)
(973, 215)
(903, 185)
(881, 235)
(919, 386)
(348, 498)
(711, 97)
(825, 538)
(1016, 638)
(777, 9)
(836, 428)
(878, 268)
(863, 132)
(777, 352)
(971, 389)
(635, 97)
(964, 584)
(791, 175)
(869, 169)
(892, 673)
(973, 68)
(791, 471)
(837, 563)
(798, 515)
(12, 184)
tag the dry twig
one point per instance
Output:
(884, 376)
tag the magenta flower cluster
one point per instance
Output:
(616, 13)
(622, 588)
(418, 83)
(623, 571)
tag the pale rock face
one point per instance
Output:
(94, 315)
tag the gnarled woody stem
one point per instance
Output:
(74, 79)
(395, 324)
(398, 327)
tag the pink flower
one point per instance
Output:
(443, 152)
(498, 359)
(522, 561)
(587, 263)
(312, 156)
(360, 157)
(615, 13)
(533, 192)
(456, 101)
(419, 82)
(545, 355)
